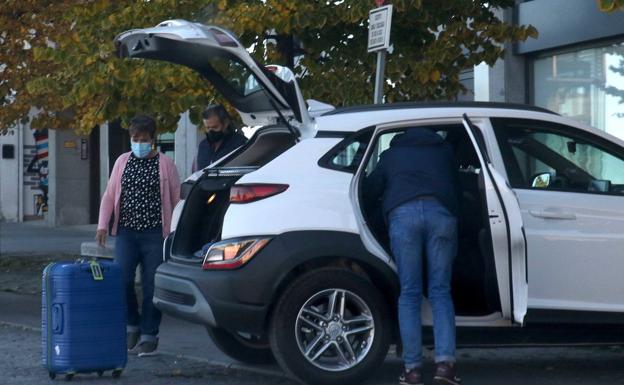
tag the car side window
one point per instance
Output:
(347, 154)
(548, 156)
(382, 144)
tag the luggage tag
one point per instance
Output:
(96, 271)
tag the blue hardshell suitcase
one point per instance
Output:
(83, 318)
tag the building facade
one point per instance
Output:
(575, 67)
(58, 176)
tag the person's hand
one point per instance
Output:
(100, 237)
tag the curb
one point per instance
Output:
(20, 326)
(216, 363)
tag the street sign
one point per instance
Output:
(379, 22)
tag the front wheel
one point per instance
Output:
(331, 326)
(247, 348)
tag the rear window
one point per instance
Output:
(347, 155)
(236, 74)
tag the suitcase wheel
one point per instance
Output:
(52, 375)
(117, 373)
(69, 376)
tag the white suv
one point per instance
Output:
(275, 251)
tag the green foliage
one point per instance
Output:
(610, 5)
(70, 74)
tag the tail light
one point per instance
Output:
(246, 193)
(232, 253)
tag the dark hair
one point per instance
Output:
(143, 123)
(216, 110)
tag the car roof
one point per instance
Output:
(342, 121)
(411, 105)
(350, 119)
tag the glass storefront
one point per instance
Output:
(586, 85)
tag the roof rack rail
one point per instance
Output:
(405, 105)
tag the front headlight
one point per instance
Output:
(233, 253)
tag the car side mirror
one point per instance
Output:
(541, 180)
(599, 185)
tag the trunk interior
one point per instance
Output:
(474, 284)
(201, 220)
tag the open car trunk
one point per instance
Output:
(261, 95)
(208, 197)
(204, 209)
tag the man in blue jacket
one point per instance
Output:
(221, 136)
(416, 180)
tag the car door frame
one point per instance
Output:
(500, 194)
(371, 243)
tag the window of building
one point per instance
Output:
(166, 143)
(586, 85)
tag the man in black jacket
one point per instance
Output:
(416, 179)
(221, 136)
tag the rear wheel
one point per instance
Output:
(247, 348)
(331, 326)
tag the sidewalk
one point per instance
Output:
(35, 238)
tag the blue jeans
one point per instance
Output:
(424, 228)
(131, 249)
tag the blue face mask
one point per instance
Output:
(140, 150)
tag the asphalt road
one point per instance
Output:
(20, 365)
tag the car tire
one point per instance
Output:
(301, 306)
(246, 349)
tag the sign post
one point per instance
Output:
(379, 22)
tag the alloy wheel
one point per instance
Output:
(335, 329)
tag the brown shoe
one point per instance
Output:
(446, 374)
(411, 377)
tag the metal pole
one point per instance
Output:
(379, 77)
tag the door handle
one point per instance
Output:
(552, 214)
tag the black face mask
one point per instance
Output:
(214, 136)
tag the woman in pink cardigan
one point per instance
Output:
(142, 191)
